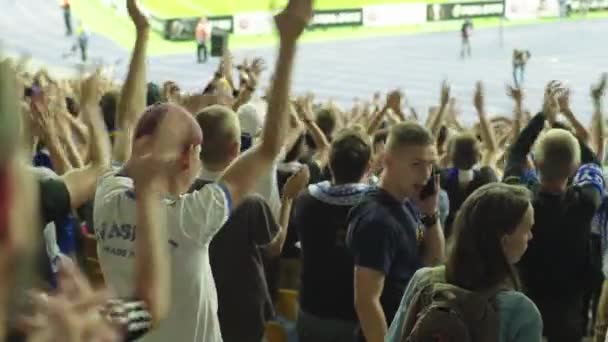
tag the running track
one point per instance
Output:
(342, 70)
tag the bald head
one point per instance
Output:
(178, 127)
(220, 126)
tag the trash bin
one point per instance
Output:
(219, 42)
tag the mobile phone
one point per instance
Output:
(246, 141)
(429, 188)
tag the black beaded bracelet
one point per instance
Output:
(429, 220)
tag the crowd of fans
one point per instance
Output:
(206, 208)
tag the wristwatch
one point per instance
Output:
(429, 220)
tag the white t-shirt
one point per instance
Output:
(192, 221)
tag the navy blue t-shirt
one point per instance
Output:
(383, 235)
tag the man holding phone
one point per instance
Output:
(389, 236)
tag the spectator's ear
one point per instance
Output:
(234, 150)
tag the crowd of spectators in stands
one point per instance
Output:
(138, 211)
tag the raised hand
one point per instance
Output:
(516, 94)
(430, 204)
(304, 108)
(171, 92)
(445, 93)
(376, 100)
(551, 100)
(393, 100)
(91, 115)
(563, 99)
(258, 66)
(43, 117)
(138, 18)
(599, 90)
(90, 93)
(296, 183)
(71, 314)
(293, 19)
(478, 98)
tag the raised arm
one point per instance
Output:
(518, 96)
(133, 94)
(249, 77)
(294, 185)
(433, 251)
(487, 133)
(517, 158)
(241, 176)
(396, 104)
(152, 259)
(597, 95)
(304, 109)
(439, 117)
(376, 120)
(76, 159)
(579, 130)
(46, 124)
(393, 100)
(81, 182)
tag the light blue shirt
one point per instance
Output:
(520, 320)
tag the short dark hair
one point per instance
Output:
(465, 151)
(476, 260)
(408, 134)
(153, 95)
(349, 156)
(109, 105)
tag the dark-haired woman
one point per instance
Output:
(491, 234)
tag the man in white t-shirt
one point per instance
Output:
(192, 219)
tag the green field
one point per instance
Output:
(188, 8)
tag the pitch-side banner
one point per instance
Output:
(588, 5)
(521, 9)
(462, 10)
(252, 23)
(548, 8)
(394, 15)
(530, 9)
(337, 17)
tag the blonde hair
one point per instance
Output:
(558, 153)
(221, 129)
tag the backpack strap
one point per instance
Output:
(421, 300)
